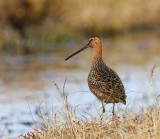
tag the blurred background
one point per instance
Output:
(37, 35)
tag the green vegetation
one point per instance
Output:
(28, 26)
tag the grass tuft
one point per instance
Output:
(66, 124)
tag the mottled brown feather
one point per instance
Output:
(104, 82)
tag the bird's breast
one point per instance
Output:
(94, 79)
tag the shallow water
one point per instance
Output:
(28, 82)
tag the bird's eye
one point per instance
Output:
(91, 39)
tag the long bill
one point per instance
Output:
(83, 48)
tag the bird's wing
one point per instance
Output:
(107, 81)
(118, 89)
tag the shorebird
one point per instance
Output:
(103, 81)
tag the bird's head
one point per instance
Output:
(93, 42)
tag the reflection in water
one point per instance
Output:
(32, 78)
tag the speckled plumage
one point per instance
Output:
(103, 82)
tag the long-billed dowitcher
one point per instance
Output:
(103, 82)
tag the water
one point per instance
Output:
(28, 82)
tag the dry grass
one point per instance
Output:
(144, 125)
(141, 126)
(65, 124)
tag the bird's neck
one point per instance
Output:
(97, 54)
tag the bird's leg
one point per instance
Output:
(113, 110)
(103, 110)
(114, 117)
(103, 107)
